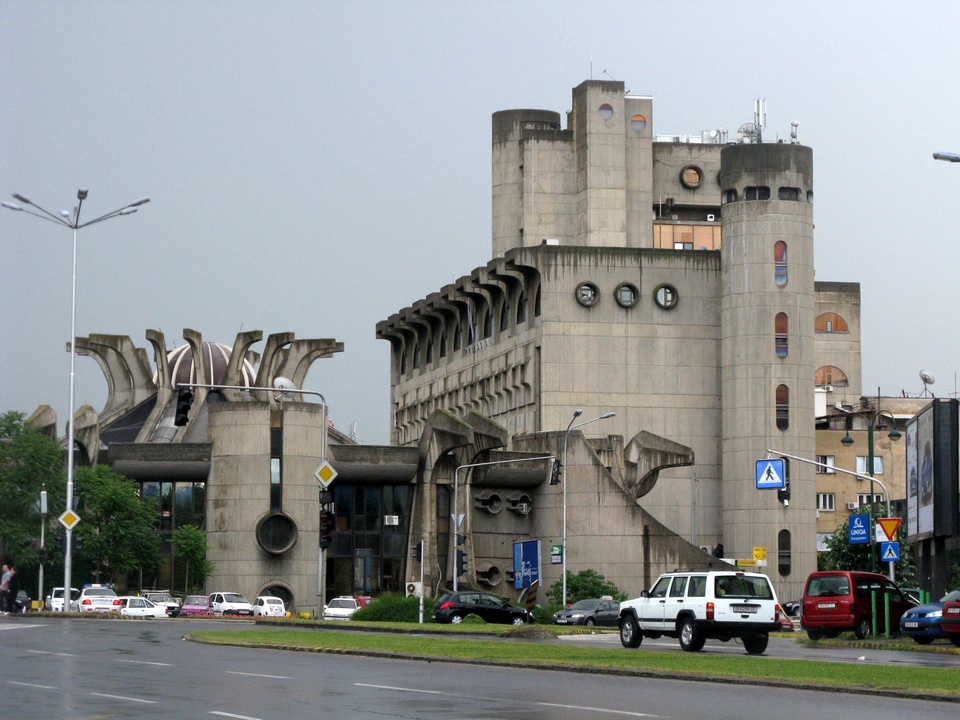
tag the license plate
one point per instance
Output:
(744, 608)
(826, 606)
(911, 624)
(953, 611)
(561, 621)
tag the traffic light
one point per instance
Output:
(461, 562)
(62, 544)
(783, 494)
(555, 472)
(327, 518)
(418, 551)
(184, 400)
(77, 543)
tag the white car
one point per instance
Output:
(269, 606)
(230, 603)
(163, 597)
(341, 608)
(95, 598)
(133, 606)
(54, 601)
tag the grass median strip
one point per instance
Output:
(916, 680)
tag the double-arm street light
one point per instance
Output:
(570, 427)
(72, 221)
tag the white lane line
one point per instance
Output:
(231, 715)
(123, 697)
(271, 677)
(48, 652)
(33, 685)
(21, 626)
(145, 662)
(400, 689)
(597, 710)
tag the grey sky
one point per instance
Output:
(316, 166)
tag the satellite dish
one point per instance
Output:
(284, 385)
(927, 377)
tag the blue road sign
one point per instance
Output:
(770, 474)
(526, 563)
(890, 551)
(858, 529)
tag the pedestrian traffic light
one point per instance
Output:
(327, 518)
(461, 562)
(783, 494)
(555, 472)
(184, 400)
(418, 551)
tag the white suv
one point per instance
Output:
(697, 605)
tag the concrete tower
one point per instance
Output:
(767, 353)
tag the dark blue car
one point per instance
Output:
(923, 623)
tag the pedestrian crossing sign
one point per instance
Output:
(770, 474)
(890, 552)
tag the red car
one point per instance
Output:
(950, 621)
(196, 605)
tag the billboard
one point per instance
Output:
(932, 477)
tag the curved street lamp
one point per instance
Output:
(71, 221)
(563, 558)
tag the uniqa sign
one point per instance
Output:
(858, 529)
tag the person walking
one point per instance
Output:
(4, 590)
(13, 589)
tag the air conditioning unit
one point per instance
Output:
(414, 589)
(711, 217)
(828, 388)
(391, 519)
(852, 505)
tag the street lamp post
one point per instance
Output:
(563, 541)
(72, 221)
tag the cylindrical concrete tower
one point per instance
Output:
(767, 355)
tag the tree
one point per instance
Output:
(116, 530)
(843, 555)
(29, 463)
(190, 544)
(584, 585)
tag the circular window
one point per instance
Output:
(606, 111)
(626, 295)
(691, 177)
(587, 294)
(276, 533)
(638, 122)
(666, 296)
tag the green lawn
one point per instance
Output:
(919, 680)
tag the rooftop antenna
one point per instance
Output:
(753, 132)
(928, 379)
(793, 132)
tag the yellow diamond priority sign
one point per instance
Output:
(69, 519)
(325, 474)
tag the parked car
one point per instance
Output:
(342, 608)
(229, 603)
(135, 606)
(163, 597)
(194, 605)
(696, 605)
(923, 623)
(454, 607)
(269, 606)
(95, 598)
(599, 611)
(839, 600)
(54, 601)
(950, 621)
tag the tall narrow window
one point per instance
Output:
(780, 335)
(536, 304)
(442, 349)
(521, 307)
(784, 552)
(505, 316)
(488, 323)
(276, 470)
(780, 263)
(416, 355)
(783, 407)
(429, 353)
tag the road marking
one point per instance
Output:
(21, 626)
(271, 677)
(42, 687)
(231, 715)
(400, 689)
(597, 710)
(145, 662)
(123, 697)
(48, 652)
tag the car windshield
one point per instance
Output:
(197, 600)
(743, 586)
(234, 598)
(584, 605)
(342, 603)
(160, 597)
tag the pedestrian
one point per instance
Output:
(13, 589)
(4, 591)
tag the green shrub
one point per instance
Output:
(543, 614)
(585, 585)
(394, 607)
(473, 619)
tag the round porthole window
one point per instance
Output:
(638, 122)
(276, 533)
(587, 294)
(666, 296)
(606, 111)
(626, 295)
(691, 177)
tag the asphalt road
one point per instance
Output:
(81, 670)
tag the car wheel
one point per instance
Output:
(815, 634)
(518, 620)
(923, 640)
(630, 635)
(756, 644)
(456, 619)
(589, 621)
(863, 628)
(690, 639)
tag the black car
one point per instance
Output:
(590, 612)
(454, 607)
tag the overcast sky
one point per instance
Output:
(314, 167)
